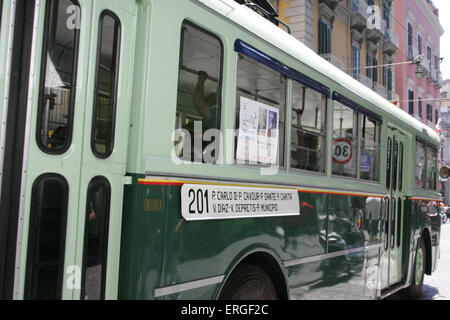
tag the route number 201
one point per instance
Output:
(198, 201)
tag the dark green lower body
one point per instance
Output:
(324, 253)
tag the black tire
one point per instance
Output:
(414, 291)
(249, 282)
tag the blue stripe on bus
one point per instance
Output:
(349, 103)
(244, 48)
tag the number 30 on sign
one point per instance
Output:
(342, 151)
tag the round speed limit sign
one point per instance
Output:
(342, 151)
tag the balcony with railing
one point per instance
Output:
(391, 42)
(426, 67)
(376, 32)
(332, 4)
(413, 52)
(418, 118)
(438, 79)
(430, 124)
(431, 75)
(333, 60)
(365, 80)
(380, 89)
(359, 16)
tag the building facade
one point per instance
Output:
(354, 35)
(417, 23)
(445, 136)
(358, 35)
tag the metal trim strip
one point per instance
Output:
(425, 199)
(158, 180)
(7, 80)
(165, 291)
(296, 262)
(31, 88)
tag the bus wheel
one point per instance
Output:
(414, 290)
(249, 282)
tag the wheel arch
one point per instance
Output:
(425, 235)
(265, 258)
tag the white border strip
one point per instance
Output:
(26, 147)
(187, 286)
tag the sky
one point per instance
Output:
(444, 11)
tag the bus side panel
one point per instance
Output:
(353, 223)
(156, 237)
(142, 240)
(202, 249)
(409, 246)
(427, 223)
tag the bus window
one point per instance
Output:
(370, 149)
(400, 168)
(1, 11)
(345, 133)
(308, 132)
(260, 113)
(420, 165)
(58, 79)
(388, 163)
(399, 222)
(386, 223)
(107, 75)
(431, 169)
(392, 226)
(395, 165)
(46, 239)
(199, 87)
(96, 239)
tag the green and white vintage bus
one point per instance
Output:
(191, 149)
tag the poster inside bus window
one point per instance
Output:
(258, 132)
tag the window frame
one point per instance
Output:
(427, 147)
(116, 80)
(380, 129)
(411, 102)
(430, 112)
(92, 184)
(281, 154)
(399, 221)
(220, 81)
(221, 68)
(32, 240)
(43, 72)
(420, 107)
(324, 36)
(356, 59)
(290, 74)
(361, 111)
(410, 37)
(389, 149)
(325, 140)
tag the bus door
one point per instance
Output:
(394, 210)
(106, 127)
(70, 240)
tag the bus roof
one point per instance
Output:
(266, 30)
